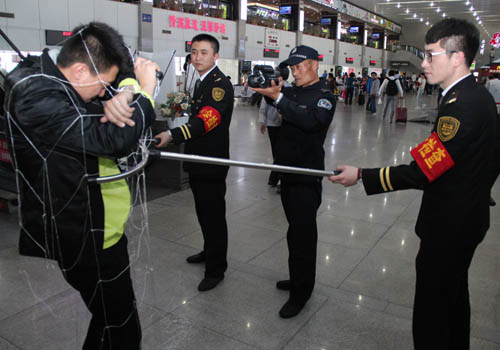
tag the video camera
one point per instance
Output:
(262, 76)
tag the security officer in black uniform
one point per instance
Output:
(307, 109)
(207, 134)
(453, 167)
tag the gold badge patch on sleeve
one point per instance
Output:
(218, 94)
(447, 128)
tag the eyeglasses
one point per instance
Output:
(428, 55)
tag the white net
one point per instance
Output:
(66, 310)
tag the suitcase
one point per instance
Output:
(401, 113)
(361, 99)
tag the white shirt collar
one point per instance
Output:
(204, 75)
(455, 83)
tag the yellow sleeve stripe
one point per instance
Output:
(130, 81)
(388, 179)
(183, 132)
(145, 94)
(187, 130)
(382, 182)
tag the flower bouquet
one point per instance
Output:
(177, 109)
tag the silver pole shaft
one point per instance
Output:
(209, 160)
(263, 166)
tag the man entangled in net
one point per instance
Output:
(56, 145)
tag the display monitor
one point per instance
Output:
(56, 37)
(246, 66)
(326, 21)
(273, 53)
(354, 29)
(285, 10)
(376, 36)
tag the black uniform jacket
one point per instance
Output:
(455, 205)
(207, 131)
(307, 113)
(55, 142)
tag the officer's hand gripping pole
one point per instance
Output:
(211, 160)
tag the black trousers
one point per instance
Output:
(274, 133)
(103, 279)
(441, 312)
(349, 95)
(301, 202)
(209, 199)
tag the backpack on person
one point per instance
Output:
(392, 88)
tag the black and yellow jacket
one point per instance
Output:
(56, 143)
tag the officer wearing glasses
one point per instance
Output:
(453, 167)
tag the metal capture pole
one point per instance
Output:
(237, 163)
(215, 161)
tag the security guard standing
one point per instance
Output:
(307, 109)
(453, 167)
(207, 134)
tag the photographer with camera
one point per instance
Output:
(307, 109)
(270, 119)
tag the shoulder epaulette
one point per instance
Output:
(453, 98)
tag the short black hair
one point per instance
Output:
(105, 46)
(188, 58)
(330, 75)
(392, 73)
(455, 35)
(207, 37)
(373, 73)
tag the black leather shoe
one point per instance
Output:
(492, 202)
(197, 258)
(284, 285)
(209, 283)
(272, 184)
(291, 309)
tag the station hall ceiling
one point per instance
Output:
(483, 13)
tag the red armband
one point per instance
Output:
(432, 157)
(210, 117)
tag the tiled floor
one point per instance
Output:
(365, 274)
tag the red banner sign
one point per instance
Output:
(191, 23)
(495, 41)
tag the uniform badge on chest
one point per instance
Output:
(218, 94)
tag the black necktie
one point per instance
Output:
(196, 86)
